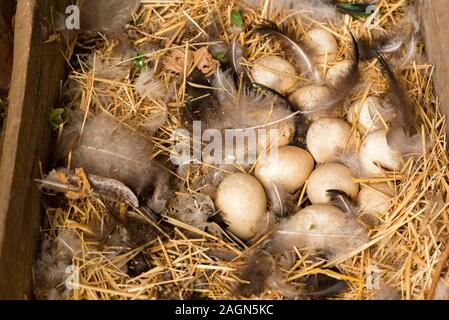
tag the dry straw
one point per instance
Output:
(406, 248)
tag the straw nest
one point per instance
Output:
(406, 249)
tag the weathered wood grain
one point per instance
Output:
(38, 69)
(434, 16)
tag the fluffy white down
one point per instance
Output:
(106, 15)
(52, 262)
(148, 86)
(194, 209)
(112, 150)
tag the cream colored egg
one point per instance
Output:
(368, 113)
(337, 72)
(375, 150)
(289, 168)
(275, 136)
(323, 45)
(330, 176)
(375, 198)
(243, 204)
(319, 227)
(308, 98)
(275, 72)
(327, 138)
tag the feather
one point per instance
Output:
(277, 198)
(442, 289)
(243, 109)
(260, 266)
(407, 145)
(402, 135)
(237, 57)
(341, 200)
(110, 150)
(106, 16)
(405, 114)
(293, 47)
(194, 209)
(340, 88)
(259, 274)
(318, 9)
(401, 43)
(386, 293)
(148, 86)
(109, 189)
(335, 91)
(225, 106)
(322, 286)
(50, 268)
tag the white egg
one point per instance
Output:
(319, 227)
(323, 45)
(375, 198)
(289, 169)
(327, 138)
(368, 113)
(337, 72)
(376, 151)
(285, 133)
(308, 100)
(330, 176)
(275, 73)
(243, 204)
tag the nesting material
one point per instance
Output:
(190, 253)
(108, 149)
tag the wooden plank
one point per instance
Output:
(6, 15)
(7, 11)
(435, 24)
(37, 73)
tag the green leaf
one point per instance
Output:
(237, 18)
(56, 118)
(188, 104)
(220, 56)
(139, 62)
(356, 10)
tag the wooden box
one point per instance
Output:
(38, 71)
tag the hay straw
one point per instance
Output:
(406, 247)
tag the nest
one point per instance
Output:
(405, 249)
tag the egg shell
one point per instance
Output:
(337, 71)
(330, 176)
(275, 73)
(375, 198)
(320, 227)
(243, 204)
(327, 138)
(285, 134)
(308, 98)
(289, 169)
(375, 149)
(323, 45)
(367, 114)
